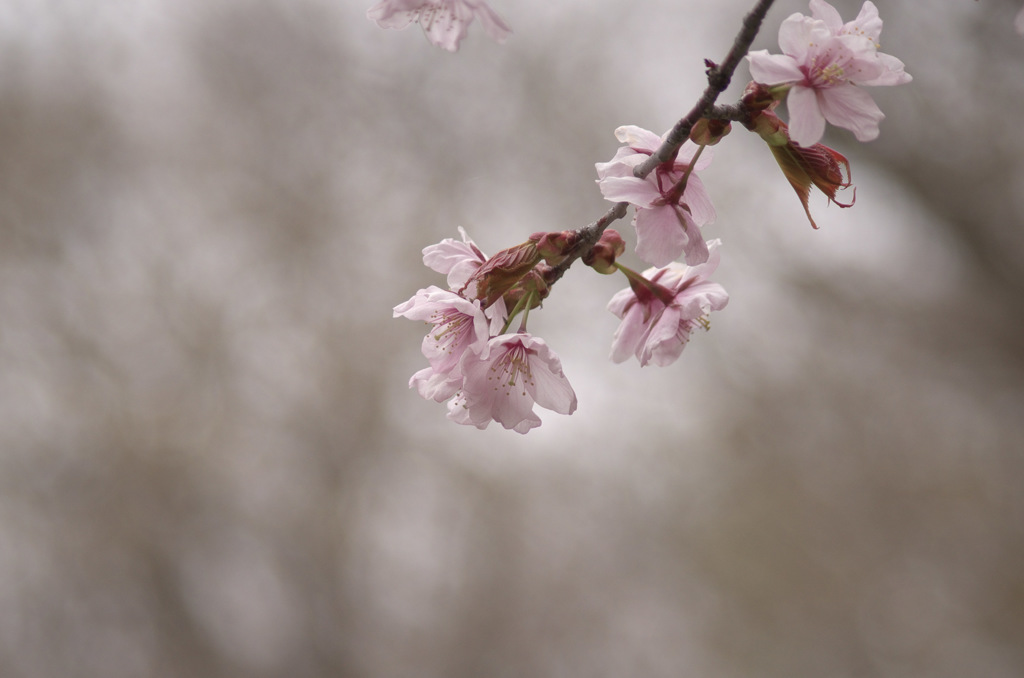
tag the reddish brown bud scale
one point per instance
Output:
(501, 272)
(555, 247)
(758, 97)
(816, 165)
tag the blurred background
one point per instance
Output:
(211, 464)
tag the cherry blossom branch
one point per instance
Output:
(735, 112)
(719, 77)
(487, 372)
(588, 237)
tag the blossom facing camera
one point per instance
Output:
(824, 68)
(662, 307)
(445, 22)
(459, 325)
(505, 380)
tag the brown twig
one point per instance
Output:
(719, 77)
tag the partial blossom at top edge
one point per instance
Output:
(445, 22)
(824, 67)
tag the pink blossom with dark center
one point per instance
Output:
(826, 64)
(459, 325)
(504, 381)
(661, 309)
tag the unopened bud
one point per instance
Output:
(533, 283)
(758, 97)
(602, 255)
(770, 128)
(709, 132)
(555, 247)
(501, 272)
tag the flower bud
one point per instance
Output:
(555, 247)
(533, 283)
(758, 97)
(501, 272)
(709, 132)
(770, 128)
(602, 255)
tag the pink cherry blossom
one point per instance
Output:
(504, 381)
(868, 25)
(826, 63)
(668, 220)
(457, 260)
(659, 315)
(445, 22)
(459, 326)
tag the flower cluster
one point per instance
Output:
(488, 373)
(445, 22)
(823, 68)
(483, 371)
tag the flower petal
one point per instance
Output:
(689, 149)
(391, 14)
(434, 385)
(695, 251)
(697, 199)
(867, 23)
(446, 24)
(825, 12)
(661, 234)
(892, 72)
(709, 266)
(806, 121)
(773, 69)
(494, 26)
(666, 339)
(458, 260)
(638, 138)
(549, 388)
(800, 36)
(630, 332)
(852, 108)
(639, 192)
